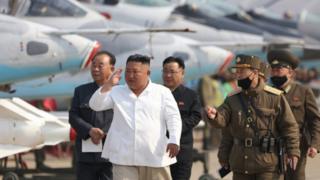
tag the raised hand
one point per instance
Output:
(115, 77)
(112, 81)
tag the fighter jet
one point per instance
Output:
(284, 13)
(146, 13)
(309, 21)
(122, 9)
(40, 50)
(205, 32)
(207, 13)
(200, 60)
(202, 12)
(29, 50)
(69, 14)
(115, 44)
(284, 9)
(212, 35)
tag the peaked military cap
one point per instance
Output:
(282, 58)
(246, 61)
(264, 70)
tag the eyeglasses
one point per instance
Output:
(99, 66)
(170, 72)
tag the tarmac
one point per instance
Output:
(312, 169)
(65, 161)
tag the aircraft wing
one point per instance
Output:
(56, 129)
(11, 119)
(112, 31)
(246, 44)
(12, 111)
(227, 44)
(24, 127)
(11, 149)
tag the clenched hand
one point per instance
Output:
(312, 152)
(96, 135)
(211, 112)
(173, 150)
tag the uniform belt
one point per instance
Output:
(247, 142)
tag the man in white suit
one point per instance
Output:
(144, 112)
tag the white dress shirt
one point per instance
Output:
(137, 136)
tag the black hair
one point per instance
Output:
(171, 59)
(139, 58)
(109, 54)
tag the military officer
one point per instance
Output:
(227, 139)
(303, 106)
(255, 117)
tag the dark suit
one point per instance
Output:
(82, 119)
(190, 110)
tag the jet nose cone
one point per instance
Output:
(93, 49)
(76, 52)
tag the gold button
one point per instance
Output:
(247, 125)
(246, 172)
(245, 157)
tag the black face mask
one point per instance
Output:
(278, 81)
(244, 83)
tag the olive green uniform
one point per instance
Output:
(268, 107)
(227, 139)
(304, 108)
(306, 113)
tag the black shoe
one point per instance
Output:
(42, 166)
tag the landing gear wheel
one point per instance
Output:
(206, 177)
(10, 176)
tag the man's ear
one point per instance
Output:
(112, 68)
(292, 73)
(149, 72)
(255, 72)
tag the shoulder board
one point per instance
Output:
(234, 92)
(272, 90)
